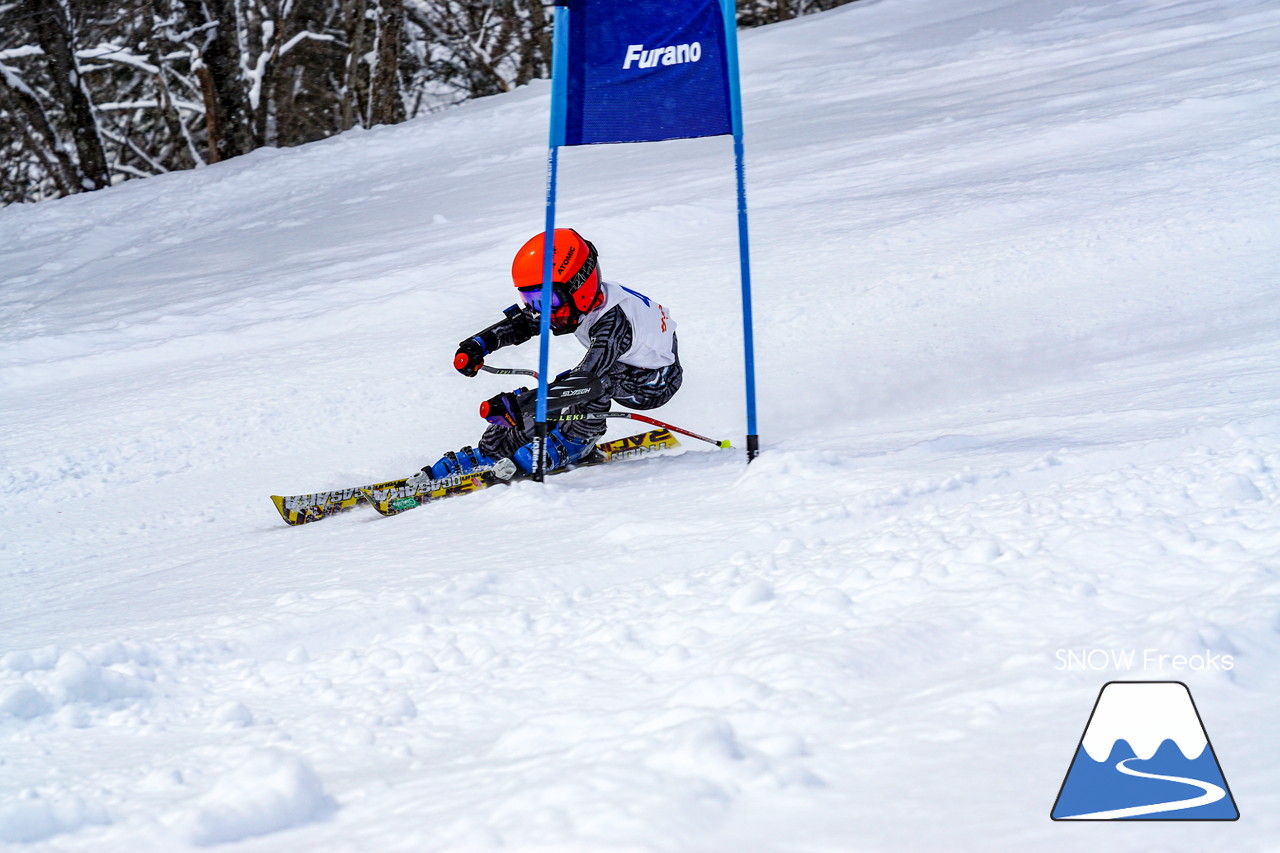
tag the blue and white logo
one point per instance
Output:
(1145, 755)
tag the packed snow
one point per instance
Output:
(1018, 333)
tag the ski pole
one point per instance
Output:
(643, 418)
(509, 371)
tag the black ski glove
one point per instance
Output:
(516, 326)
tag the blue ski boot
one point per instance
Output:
(461, 463)
(561, 451)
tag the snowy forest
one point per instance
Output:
(94, 92)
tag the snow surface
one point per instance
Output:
(1019, 343)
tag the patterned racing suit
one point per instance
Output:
(632, 355)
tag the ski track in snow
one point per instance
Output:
(1018, 342)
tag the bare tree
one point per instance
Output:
(55, 33)
(37, 158)
(385, 103)
(215, 46)
(481, 47)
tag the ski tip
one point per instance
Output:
(291, 518)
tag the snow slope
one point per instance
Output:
(1019, 345)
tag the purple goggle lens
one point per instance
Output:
(532, 297)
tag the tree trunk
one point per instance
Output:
(41, 138)
(385, 106)
(535, 53)
(54, 32)
(356, 10)
(230, 121)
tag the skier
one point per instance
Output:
(631, 358)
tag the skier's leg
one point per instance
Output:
(588, 429)
(499, 441)
(569, 441)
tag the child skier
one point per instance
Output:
(631, 357)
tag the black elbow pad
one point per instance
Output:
(568, 389)
(571, 389)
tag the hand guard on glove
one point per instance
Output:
(504, 409)
(470, 357)
(569, 389)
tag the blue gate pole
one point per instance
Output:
(559, 88)
(729, 10)
(544, 324)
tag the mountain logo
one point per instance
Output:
(1144, 755)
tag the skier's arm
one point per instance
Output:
(516, 327)
(611, 337)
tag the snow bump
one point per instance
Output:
(269, 792)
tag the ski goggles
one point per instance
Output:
(532, 296)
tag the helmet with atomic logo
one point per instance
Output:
(575, 277)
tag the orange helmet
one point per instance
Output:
(575, 278)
